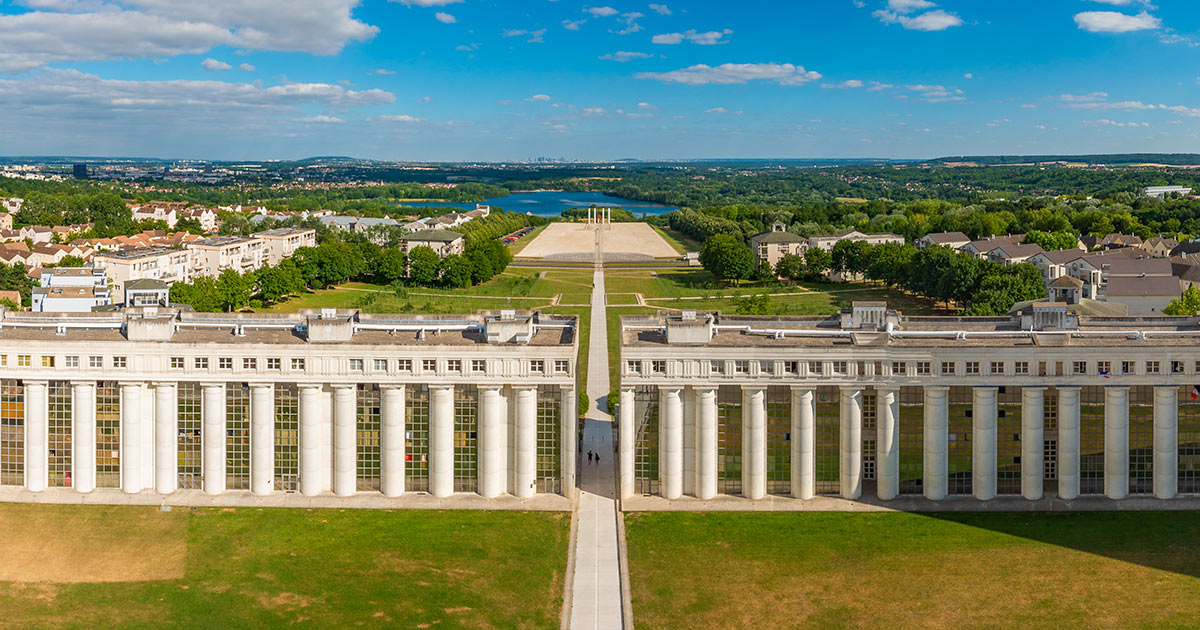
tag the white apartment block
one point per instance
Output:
(281, 243)
(212, 256)
(167, 264)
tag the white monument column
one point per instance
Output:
(936, 464)
(804, 443)
(706, 443)
(850, 468)
(1116, 442)
(754, 422)
(983, 442)
(345, 446)
(1166, 442)
(492, 458)
(133, 425)
(314, 469)
(441, 441)
(262, 438)
(887, 443)
(1068, 442)
(83, 413)
(569, 433)
(392, 440)
(525, 462)
(213, 413)
(627, 434)
(672, 436)
(37, 435)
(149, 445)
(1033, 414)
(166, 437)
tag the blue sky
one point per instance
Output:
(507, 80)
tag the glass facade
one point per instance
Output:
(1141, 440)
(549, 409)
(828, 440)
(237, 436)
(367, 437)
(108, 434)
(729, 440)
(912, 440)
(646, 441)
(287, 437)
(779, 440)
(1091, 440)
(416, 438)
(959, 451)
(466, 438)
(191, 448)
(12, 432)
(59, 434)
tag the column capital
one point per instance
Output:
(1116, 388)
(942, 389)
(212, 384)
(122, 384)
(38, 381)
(83, 383)
(754, 388)
(992, 388)
(387, 386)
(165, 384)
(308, 386)
(705, 389)
(803, 388)
(851, 388)
(1068, 388)
(342, 385)
(1033, 389)
(259, 384)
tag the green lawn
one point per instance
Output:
(680, 241)
(252, 568)
(900, 571)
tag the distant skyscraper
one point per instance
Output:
(81, 171)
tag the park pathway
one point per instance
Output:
(596, 583)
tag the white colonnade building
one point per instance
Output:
(319, 403)
(872, 405)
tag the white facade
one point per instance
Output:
(281, 243)
(212, 256)
(169, 265)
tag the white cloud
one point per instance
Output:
(1114, 22)
(573, 25)
(213, 65)
(400, 118)
(900, 12)
(601, 11)
(467, 47)
(383, 71)
(427, 3)
(95, 30)
(968, 76)
(535, 37)
(630, 21)
(1084, 98)
(444, 18)
(646, 106)
(323, 119)
(245, 67)
(594, 111)
(722, 110)
(1124, 3)
(660, 9)
(997, 123)
(702, 39)
(624, 55)
(844, 85)
(937, 93)
(1113, 123)
(538, 98)
(908, 6)
(736, 73)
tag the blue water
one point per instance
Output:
(551, 204)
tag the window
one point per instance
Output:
(1177, 367)
(840, 367)
(22, 360)
(249, 363)
(1152, 367)
(273, 363)
(73, 361)
(538, 366)
(1127, 367)
(741, 367)
(1104, 368)
(404, 365)
(201, 363)
(899, 368)
(791, 367)
(972, 367)
(225, 363)
(947, 368)
(1021, 367)
(633, 367)
(815, 367)
(561, 366)
(3, 359)
(716, 367)
(47, 362)
(454, 365)
(120, 363)
(176, 363)
(428, 365)
(356, 365)
(478, 366)
(1080, 368)
(380, 365)
(922, 368)
(298, 364)
(996, 367)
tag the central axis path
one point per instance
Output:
(596, 584)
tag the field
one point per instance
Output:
(899, 571)
(137, 567)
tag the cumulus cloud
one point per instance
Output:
(660, 9)
(444, 18)
(908, 6)
(601, 11)
(321, 119)
(383, 71)
(213, 65)
(400, 118)
(1083, 98)
(902, 12)
(245, 67)
(538, 98)
(535, 37)
(722, 110)
(95, 30)
(1113, 123)
(624, 55)
(593, 112)
(844, 85)
(573, 25)
(735, 73)
(703, 39)
(1114, 22)
(427, 3)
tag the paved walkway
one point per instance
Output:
(596, 584)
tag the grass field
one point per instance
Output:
(900, 571)
(137, 567)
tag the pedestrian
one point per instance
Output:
(589, 457)
(597, 459)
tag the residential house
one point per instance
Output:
(339, 222)
(207, 217)
(1065, 289)
(1143, 296)
(147, 292)
(1009, 255)
(11, 296)
(1161, 192)
(166, 214)
(6, 221)
(827, 242)
(979, 248)
(71, 290)
(443, 242)
(1116, 240)
(1159, 247)
(168, 264)
(12, 205)
(771, 247)
(281, 243)
(953, 240)
(37, 233)
(416, 226)
(213, 255)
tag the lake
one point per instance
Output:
(551, 204)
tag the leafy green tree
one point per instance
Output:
(389, 265)
(816, 262)
(71, 261)
(234, 289)
(455, 272)
(753, 305)
(423, 265)
(791, 267)
(1051, 241)
(1185, 305)
(727, 258)
(201, 294)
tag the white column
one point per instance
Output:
(706, 443)
(37, 435)
(887, 443)
(132, 427)
(672, 436)
(262, 438)
(441, 441)
(569, 433)
(392, 438)
(213, 412)
(983, 441)
(345, 445)
(754, 431)
(628, 428)
(1116, 442)
(804, 443)
(314, 469)
(149, 445)
(83, 414)
(526, 446)
(1033, 414)
(1166, 442)
(936, 464)
(166, 437)
(1068, 442)
(850, 462)
(492, 458)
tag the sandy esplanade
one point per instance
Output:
(578, 240)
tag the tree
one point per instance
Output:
(71, 261)
(455, 272)
(1051, 241)
(423, 266)
(1185, 305)
(389, 265)
(791, 267)
(727, 258)
(234, 289)
(200, 293)
(816, 262)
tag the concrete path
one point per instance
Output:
(596, 584)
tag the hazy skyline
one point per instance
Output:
(479, 80)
